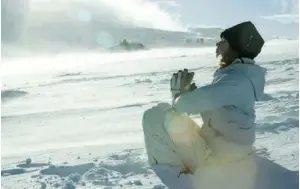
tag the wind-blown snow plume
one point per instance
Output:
(36, 24)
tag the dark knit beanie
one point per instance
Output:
(244, 39)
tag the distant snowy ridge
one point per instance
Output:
(9, 94)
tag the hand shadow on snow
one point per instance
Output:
(33, 165)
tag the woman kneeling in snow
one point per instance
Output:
(218, 154)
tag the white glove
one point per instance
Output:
(181, 83)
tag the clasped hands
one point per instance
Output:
(181, 82)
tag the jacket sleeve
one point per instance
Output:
(231, 89)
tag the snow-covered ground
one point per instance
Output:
(74, 120)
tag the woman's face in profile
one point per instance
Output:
(222, 47)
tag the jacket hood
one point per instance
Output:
(253, 72)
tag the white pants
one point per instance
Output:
(176, 141)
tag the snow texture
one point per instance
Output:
(78, 121)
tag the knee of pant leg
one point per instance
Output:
(153, 115)
(147, 115)
(164, 106)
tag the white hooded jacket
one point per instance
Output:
(227, 104)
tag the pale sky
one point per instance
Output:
(272, 17)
